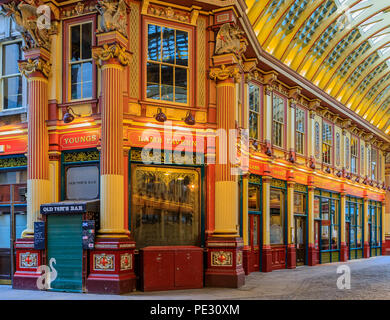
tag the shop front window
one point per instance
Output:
(299, 203)
(167, 66)
(254, 198)
(165, 206)
(375, 224)
(277, 207)
(329, 224)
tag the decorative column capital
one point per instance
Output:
(111, 51)
(223, 73)
(32, 65)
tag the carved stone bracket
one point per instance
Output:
(113, 15)
(223, 73)
(107, 52)
(29, 66)
(25, 15)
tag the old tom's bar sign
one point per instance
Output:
(63, 208)
(79, 140)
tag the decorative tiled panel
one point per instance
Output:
(239, 258)
(126, 261)
(28, 260)
(222, 258)
(103, 262)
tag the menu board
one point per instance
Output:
(88, 234)
(39, 235)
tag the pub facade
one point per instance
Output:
(115, 112)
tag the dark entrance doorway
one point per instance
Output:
(254, 241)
(300, 239)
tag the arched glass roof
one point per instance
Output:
(342, 46)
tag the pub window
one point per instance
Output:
(277, 208)
(327, 142)
(82, 182)
(80, 61)
(165, 206)
(254, 111)
(278, 117)
(300, 131)
(12, 85)
(354, 155)
(362, 159)
(167, 64)
(374, 163)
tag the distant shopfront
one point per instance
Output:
(13, 207)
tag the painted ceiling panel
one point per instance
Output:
(342, 46)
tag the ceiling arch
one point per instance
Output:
(342, 46)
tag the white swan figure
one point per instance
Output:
(49, 276)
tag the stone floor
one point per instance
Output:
(370, 279)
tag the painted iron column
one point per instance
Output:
(36, 69)
(112, 58)
(225, 255)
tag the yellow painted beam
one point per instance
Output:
(358, 105)
(265, 27)
(283, 46)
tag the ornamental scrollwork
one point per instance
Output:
(107, 52)
(114, 15)
(224, 73)
(26, 17)
(30, 66)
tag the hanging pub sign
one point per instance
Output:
(39, 235)
(88, 231)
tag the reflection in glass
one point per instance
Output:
(277, 216)
(254, 198)
(167, 66)
(165, 206)
(81, 73)
(299, 203)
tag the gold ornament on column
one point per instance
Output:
(107, 52)
(34, 65)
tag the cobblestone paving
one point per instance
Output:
(370, 279)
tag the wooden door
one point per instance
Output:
(348, 239)
(254, 222)
(300, 240)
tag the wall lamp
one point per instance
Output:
(190, 120)
(68, 116)
(160, 116)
